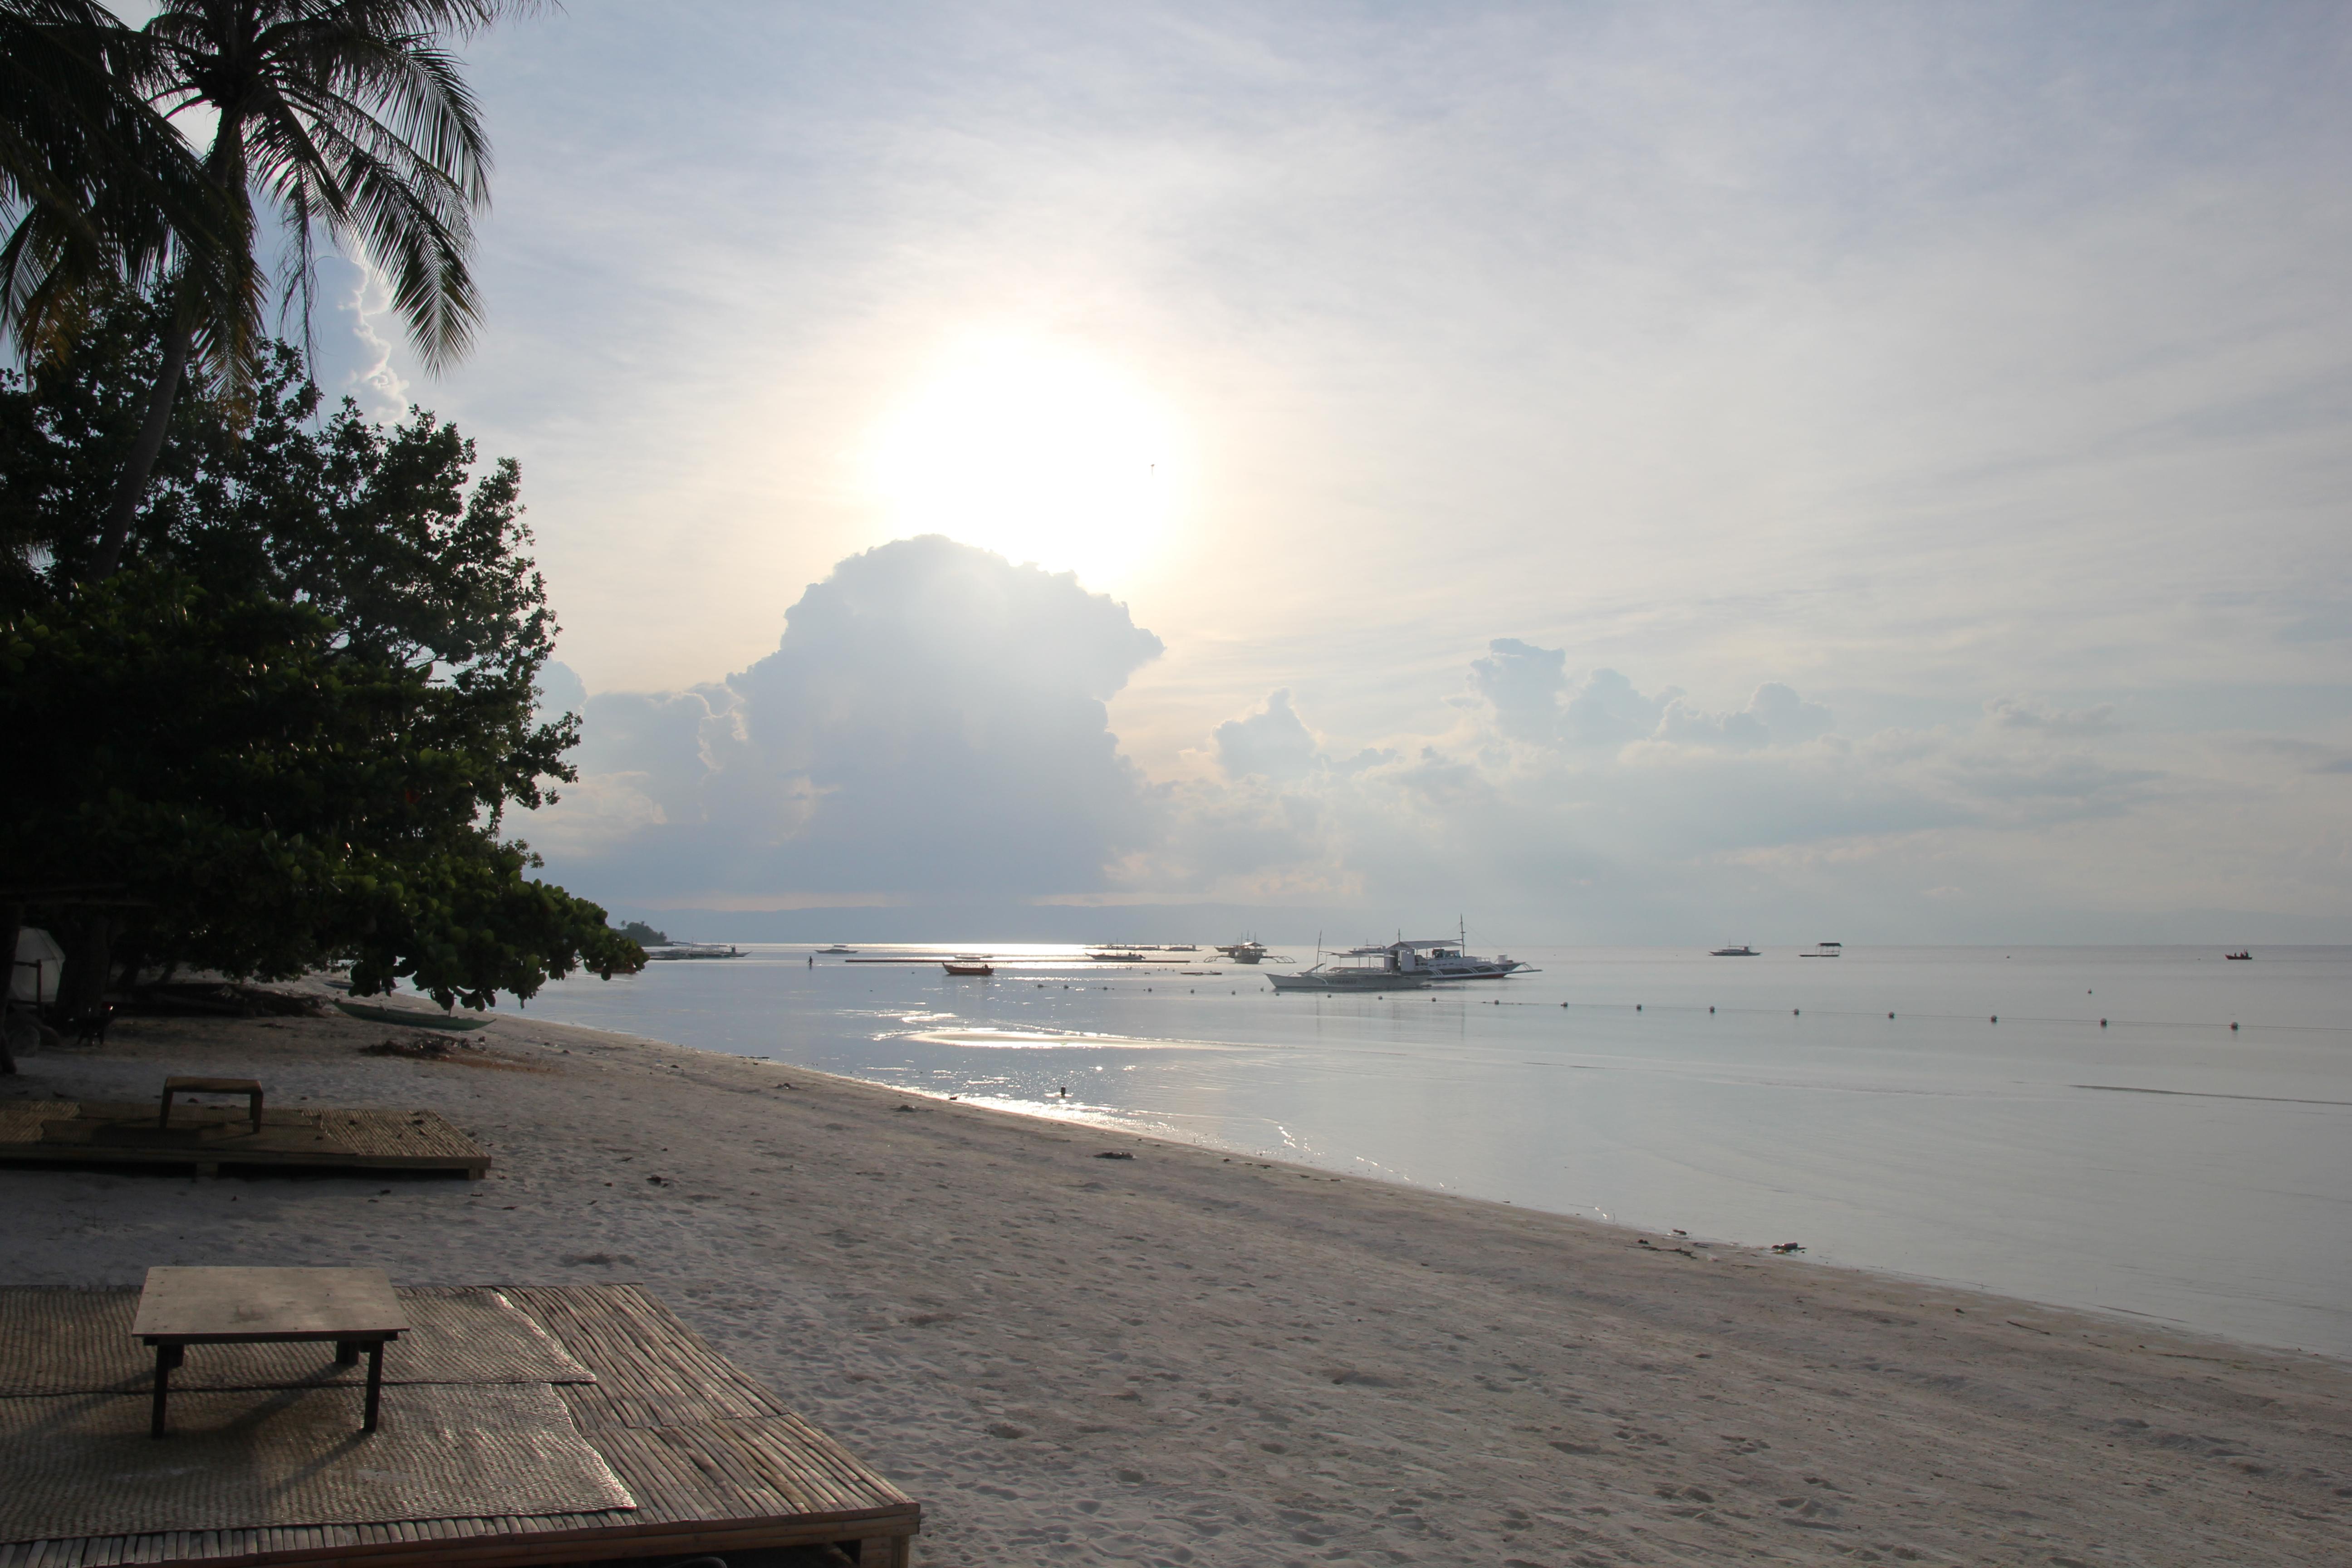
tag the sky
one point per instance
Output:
(1621, 472)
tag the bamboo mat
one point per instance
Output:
(57, 1341)
(83, 1465)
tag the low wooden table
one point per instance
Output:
(183, 1307)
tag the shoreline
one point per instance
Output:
(1192, 1356)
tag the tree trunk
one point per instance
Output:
(140, 465)
(11, 921)
(90, 963)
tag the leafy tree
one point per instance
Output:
(290, 727)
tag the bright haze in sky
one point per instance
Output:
(1625, 472)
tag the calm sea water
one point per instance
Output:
(2162, 1165)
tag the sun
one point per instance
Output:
(1038, 452)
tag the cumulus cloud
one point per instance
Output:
(1775, 716)
(932, 723)
(1272, 742)
(931, 730)
(1532, 699)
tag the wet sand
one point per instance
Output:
(1181, 1357)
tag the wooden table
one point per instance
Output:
(183, 1307)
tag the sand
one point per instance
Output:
(1184, 1358)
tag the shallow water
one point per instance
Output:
(2160, 1164)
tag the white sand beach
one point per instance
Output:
(1181, 1357)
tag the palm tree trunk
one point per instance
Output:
(141, 466)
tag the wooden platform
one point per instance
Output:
(85, 1132)
(713, 1460)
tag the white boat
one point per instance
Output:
(836, 947)
(1455, 961)
(1825, 950)
(1742, 952)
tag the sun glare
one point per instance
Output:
(1039, 454)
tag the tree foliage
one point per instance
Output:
(290, 727)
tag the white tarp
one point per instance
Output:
(38, 959)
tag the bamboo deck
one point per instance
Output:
(714, 1461)
(79, 1132)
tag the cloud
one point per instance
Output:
(931, 724)
(352, 355)
(1775, 716)
(1270, 743)
(2015, 713)
(931, 731)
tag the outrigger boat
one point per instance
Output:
(981, 967)
(1825, 950)
(1396, 967)
(1734, 952)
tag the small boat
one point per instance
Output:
(1825, 950)
(678, 951)
(1107, 956)
(1249, 951)
(1734, 952)
(2242, 956)
(968, 966)
(836, 947)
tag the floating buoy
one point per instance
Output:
(1796, 1012)
(2103, 1023)
(1996, 1017)
(1710, 1009)
(2234, 1028)
(1890, 1015)
(1637, 1007)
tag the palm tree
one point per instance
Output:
(348, 116)
(100, 181)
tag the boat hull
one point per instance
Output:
(1343, 983)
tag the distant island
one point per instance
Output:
(644, 935)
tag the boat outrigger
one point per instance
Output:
(1734, 952)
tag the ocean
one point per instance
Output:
(2156, 1133)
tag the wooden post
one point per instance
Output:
(376, 1384)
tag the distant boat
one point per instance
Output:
(1107, 956)
(836, 947)
(1249, 951)
(1734, 952)
(2241, 957)
(967, 966)
(1825, 950)
(686, 950)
